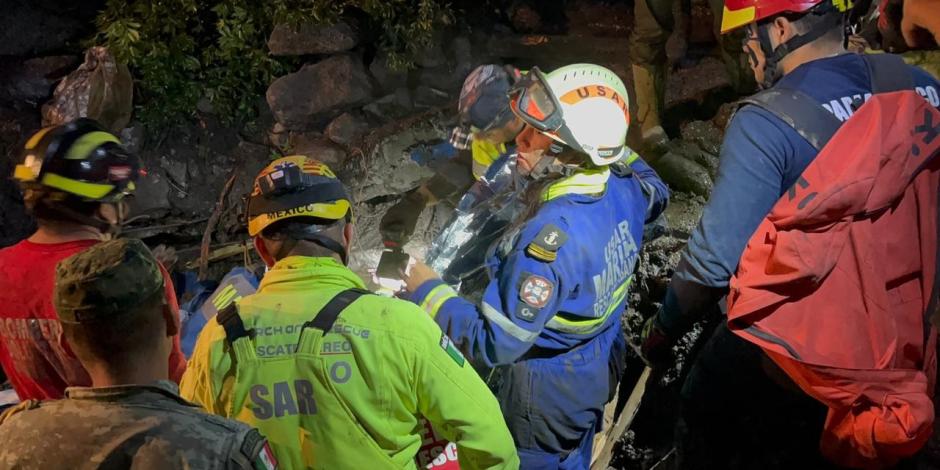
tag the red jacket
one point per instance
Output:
(837, 282)
(33, 352)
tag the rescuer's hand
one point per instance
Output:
(417, 275)
(655, 344)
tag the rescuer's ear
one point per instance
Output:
(262, 251)
(349, 233)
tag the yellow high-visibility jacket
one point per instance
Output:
(350, 397)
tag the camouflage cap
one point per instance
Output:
(106, 280)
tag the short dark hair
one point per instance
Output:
(45, 205)
(120, 338)
(290, 229)
(807, 22)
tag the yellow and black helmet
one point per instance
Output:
(295, 186)
(80, 159)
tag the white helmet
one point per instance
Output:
(583, 106)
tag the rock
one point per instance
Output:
(723, 116)
(705, 134)
(696, 83)
(311, 38)
(432, 55)
(347, 129)
(101, 88)
(683, 174)
(710, 162)
(153, 194)
(33, 80)
(132, 137)
(388, 169)
(253, 158)
(682, 215)
(387, 78)
(318, 147)
(390, 107)
(279, 136)
(463, 54)
(312, 95)
(445, 77)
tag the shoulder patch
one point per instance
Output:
(451, 349)
(536, 291)
(526, 313)
(258, 451)
(546, 244)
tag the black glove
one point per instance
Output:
(655, 343)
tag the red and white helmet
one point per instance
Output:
(739, 13)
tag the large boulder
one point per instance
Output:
(310, 38)
(315, 93)
(32, 80)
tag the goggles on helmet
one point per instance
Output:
(533, 101)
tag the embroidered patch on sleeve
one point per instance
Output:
(266, 459)
(525, 312)
(546, 244)
(536, 291)
(258, 451)
(451, 349)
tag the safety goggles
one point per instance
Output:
(533, 101)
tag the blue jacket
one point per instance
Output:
(761, 157)
(563, 277)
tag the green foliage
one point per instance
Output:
(183, 50)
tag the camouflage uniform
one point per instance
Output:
(133, 426)
(654, 22)
(121, 426)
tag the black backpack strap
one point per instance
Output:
(327, 316)
(888, 73)
(799, 111)
(232, 323)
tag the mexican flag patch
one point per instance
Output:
(266, 459)
(451, 349)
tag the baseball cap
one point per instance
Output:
(106, 280)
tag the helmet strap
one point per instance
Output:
(549, 164)
(773, 57)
